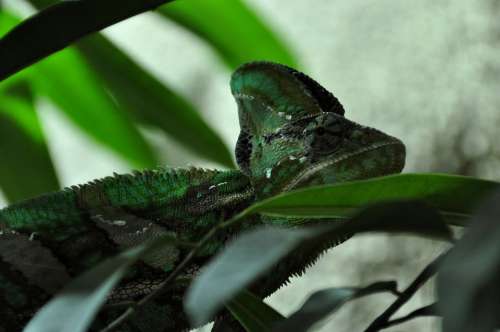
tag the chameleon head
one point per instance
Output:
(294, 133)
(336, 150)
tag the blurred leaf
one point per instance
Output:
(326, 301)
(151, 102)
(236, 33)
(253, 314)
(26, 169)
(60, 25)
(454, 196)
(7, 22)
(469, 279)
(240, 263)
(66, 79)
(242, 260)
(74, 307)
(72, 86)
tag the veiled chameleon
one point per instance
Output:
(293, 134)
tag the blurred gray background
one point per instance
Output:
(424, 71)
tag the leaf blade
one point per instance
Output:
(59, 25)
(469, 278)
(325, 302)
(74, 308)
(454, 196)
(22, 145)
(234, 31)
(253, 314)
(202, 302)
(66, 80)
(242, 261)
(151, 102)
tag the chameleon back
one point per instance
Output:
(47, 240)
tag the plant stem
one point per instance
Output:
(430, 310)
(382, 321)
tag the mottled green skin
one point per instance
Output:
(293, 134)
(186, 203)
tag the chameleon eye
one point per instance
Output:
(320, 131)
(243, 152)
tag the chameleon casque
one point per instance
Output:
(293, 134)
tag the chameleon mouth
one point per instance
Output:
(395, 164)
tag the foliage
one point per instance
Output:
(421, 204)
(109, 107)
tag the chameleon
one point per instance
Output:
(293, 134)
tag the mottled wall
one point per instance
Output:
(425, 71)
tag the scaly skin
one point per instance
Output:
(293, 134)
(82, 225)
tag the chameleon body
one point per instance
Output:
(293, 134)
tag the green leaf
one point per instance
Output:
(72, 86)
(66, 79)
(469, 278)
(151, 102)
(60, 25)
(454, 196)
(326, 301)
(242, 260)
(253, 314)
(73, 309)
(237, 34)
(7, 21)
(26, 169)
(237, 266)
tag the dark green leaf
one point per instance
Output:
(469, 279)
(60, 25)
(396, 217)
(237, 266)
(151, 102)
(253, 314)
(73, 309)
(26, 169)
(326, 301)
(236, 33)
(7, 22)
(454, 196)
(242, 261)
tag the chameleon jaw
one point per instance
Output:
(395, 166)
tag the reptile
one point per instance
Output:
(293, 134)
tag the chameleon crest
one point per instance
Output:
(293, 134)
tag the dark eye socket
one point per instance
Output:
(320, 131)
(243, 152)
